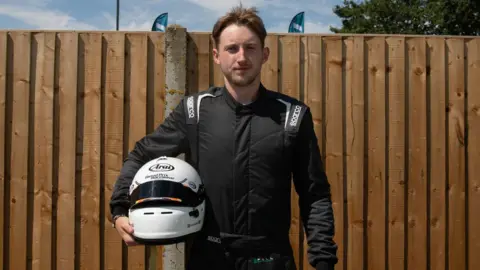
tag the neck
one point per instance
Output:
(243, 94)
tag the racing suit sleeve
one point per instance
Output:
(168, 139)
(313, 189)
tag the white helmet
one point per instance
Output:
(167, 202)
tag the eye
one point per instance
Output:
(232, 49)
(251, 47)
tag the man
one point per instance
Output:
(250, 142)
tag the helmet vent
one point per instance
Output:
(167, 213)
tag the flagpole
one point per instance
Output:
(118, 14)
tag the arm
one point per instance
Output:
(169, 139)
(315, 204)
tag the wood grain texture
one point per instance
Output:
(395, 116)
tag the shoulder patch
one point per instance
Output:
(293, 115)
(190, 109)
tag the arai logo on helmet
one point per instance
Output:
(161, 167)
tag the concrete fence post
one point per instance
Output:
(175, 89)
(175, 66)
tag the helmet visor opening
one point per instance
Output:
(161, 192)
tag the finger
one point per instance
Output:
(127, 228)
(132, 244)
(129, 240)
(127, 231)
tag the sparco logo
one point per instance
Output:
(214, 239)
(161, 167)
(191, 113)
(296, 114)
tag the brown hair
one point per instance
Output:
(240, 16)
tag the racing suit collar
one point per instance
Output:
(237, 106)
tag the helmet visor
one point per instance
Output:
(162, 192)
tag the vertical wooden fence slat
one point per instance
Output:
(156, 59)
(376, 153)
(114, 97)
(396, 159)
(19, 155)
(290, 55)
(152, 253)
(159, 77)
(473, 153)
(203, 65)
(456, 155)
(3, 107)
(198, 62)
(90, 165)
(313, 99)
(417, 173)
(269, 73)
(67, 87)
(333, 135)
(437, 114)
(192, 63)
(216, 72)
(290, 85)
(137, 53)
(43, 151)
(355, 136)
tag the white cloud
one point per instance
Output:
(43, 18)
(320, 7)
(222, 6)
(310, 27)
(140, 16)
(36, 3)
(195, 15)
(316, 27)
(132, 18)
(111, 21)
(137, 26)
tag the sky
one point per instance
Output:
(138, 15)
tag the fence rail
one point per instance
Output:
(397, 119)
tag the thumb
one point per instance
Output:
(127, 228)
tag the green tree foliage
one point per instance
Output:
(423, 17)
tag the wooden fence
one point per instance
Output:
(397, 119)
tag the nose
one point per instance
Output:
(241, 55)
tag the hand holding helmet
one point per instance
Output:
(125, 229)
(167, 203)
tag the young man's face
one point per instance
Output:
(240, 55)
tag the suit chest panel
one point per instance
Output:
(225, 137)
(216, 132)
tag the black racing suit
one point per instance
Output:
(246, 159)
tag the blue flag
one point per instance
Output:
(160, 23)
(297, 23)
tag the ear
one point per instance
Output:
(266, 54)
(215, 56)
